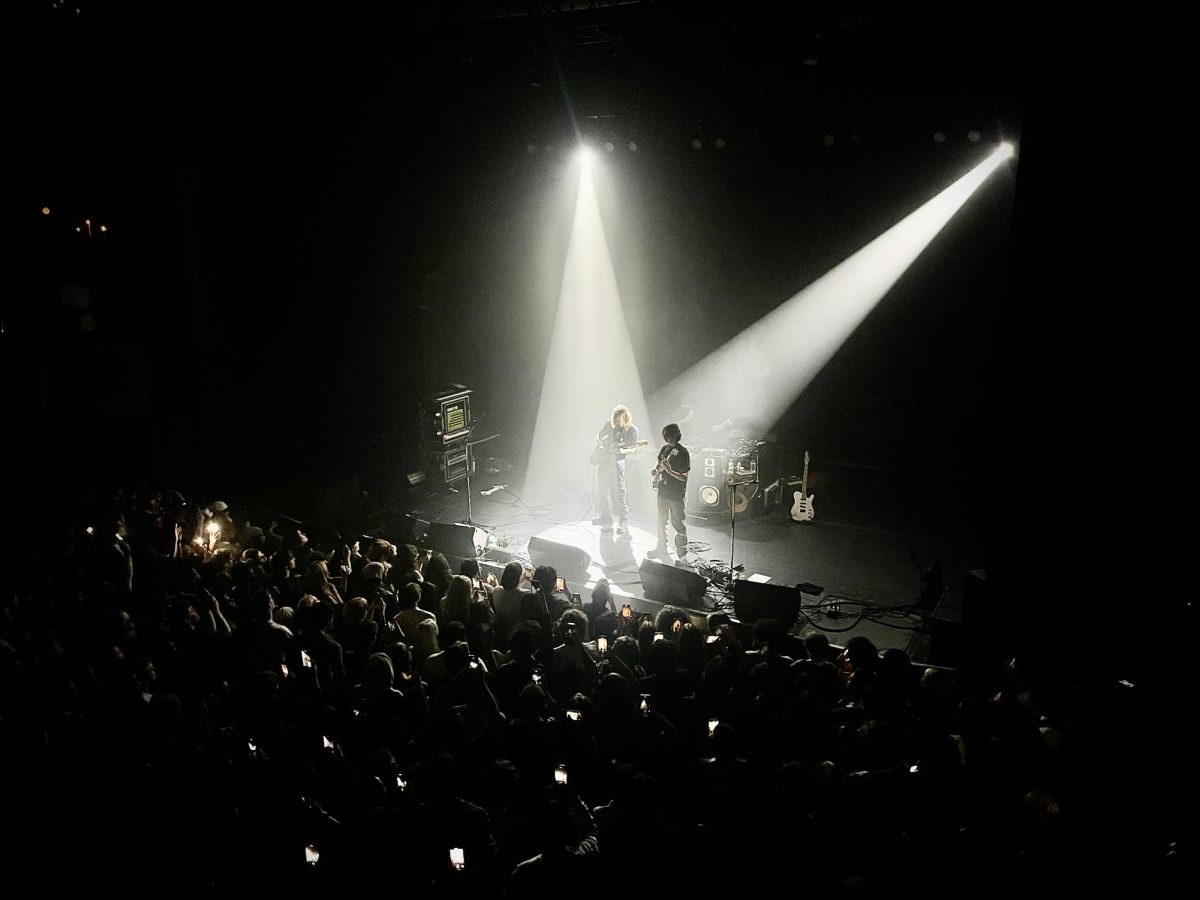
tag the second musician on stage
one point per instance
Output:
(670, 481)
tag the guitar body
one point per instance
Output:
(802, 509)
(657, 475)
(604, 450)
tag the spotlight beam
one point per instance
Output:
(590, 366)
(758, 375)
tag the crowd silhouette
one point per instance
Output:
(202, 700)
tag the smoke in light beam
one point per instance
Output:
(757, 375)
(590, 366)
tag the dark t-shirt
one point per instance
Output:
(681, 462)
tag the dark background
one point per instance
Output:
(318, 215)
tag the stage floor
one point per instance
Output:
(860, 559)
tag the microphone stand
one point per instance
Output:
(471, 430)
(470, 521)
(733, 531)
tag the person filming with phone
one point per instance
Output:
(547, 601)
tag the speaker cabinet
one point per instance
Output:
(568, 561)
(709, 490)
(707, 493)
(668, 584)
(453, 541)
(754, 600)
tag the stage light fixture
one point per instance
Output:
(696, 145)
(609, 146)
(939, 137)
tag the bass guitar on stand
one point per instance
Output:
(802, 509)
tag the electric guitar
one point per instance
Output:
(658, 473)
(802, 509)
(604, 450)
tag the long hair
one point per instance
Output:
(621, 417)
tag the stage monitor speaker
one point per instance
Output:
(405, 529)
(754, 600)
(668, 584)
(453, 540)
(568, 561)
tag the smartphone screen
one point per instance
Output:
(560, 774)
(560, 584)
(574, 715)
(457, 859)
(284, 668)
(712, 726)
(326, 743)
(305, 659)
(602, 644)
(712, 639)
(658, 635)
(311, 854)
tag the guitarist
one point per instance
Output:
(617, 439)
(670, 481)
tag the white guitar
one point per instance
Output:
(802, 509)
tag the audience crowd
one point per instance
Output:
(198, 700)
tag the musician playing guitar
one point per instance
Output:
(670, 481)
(616, 440)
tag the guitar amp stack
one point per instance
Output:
(445, 429)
